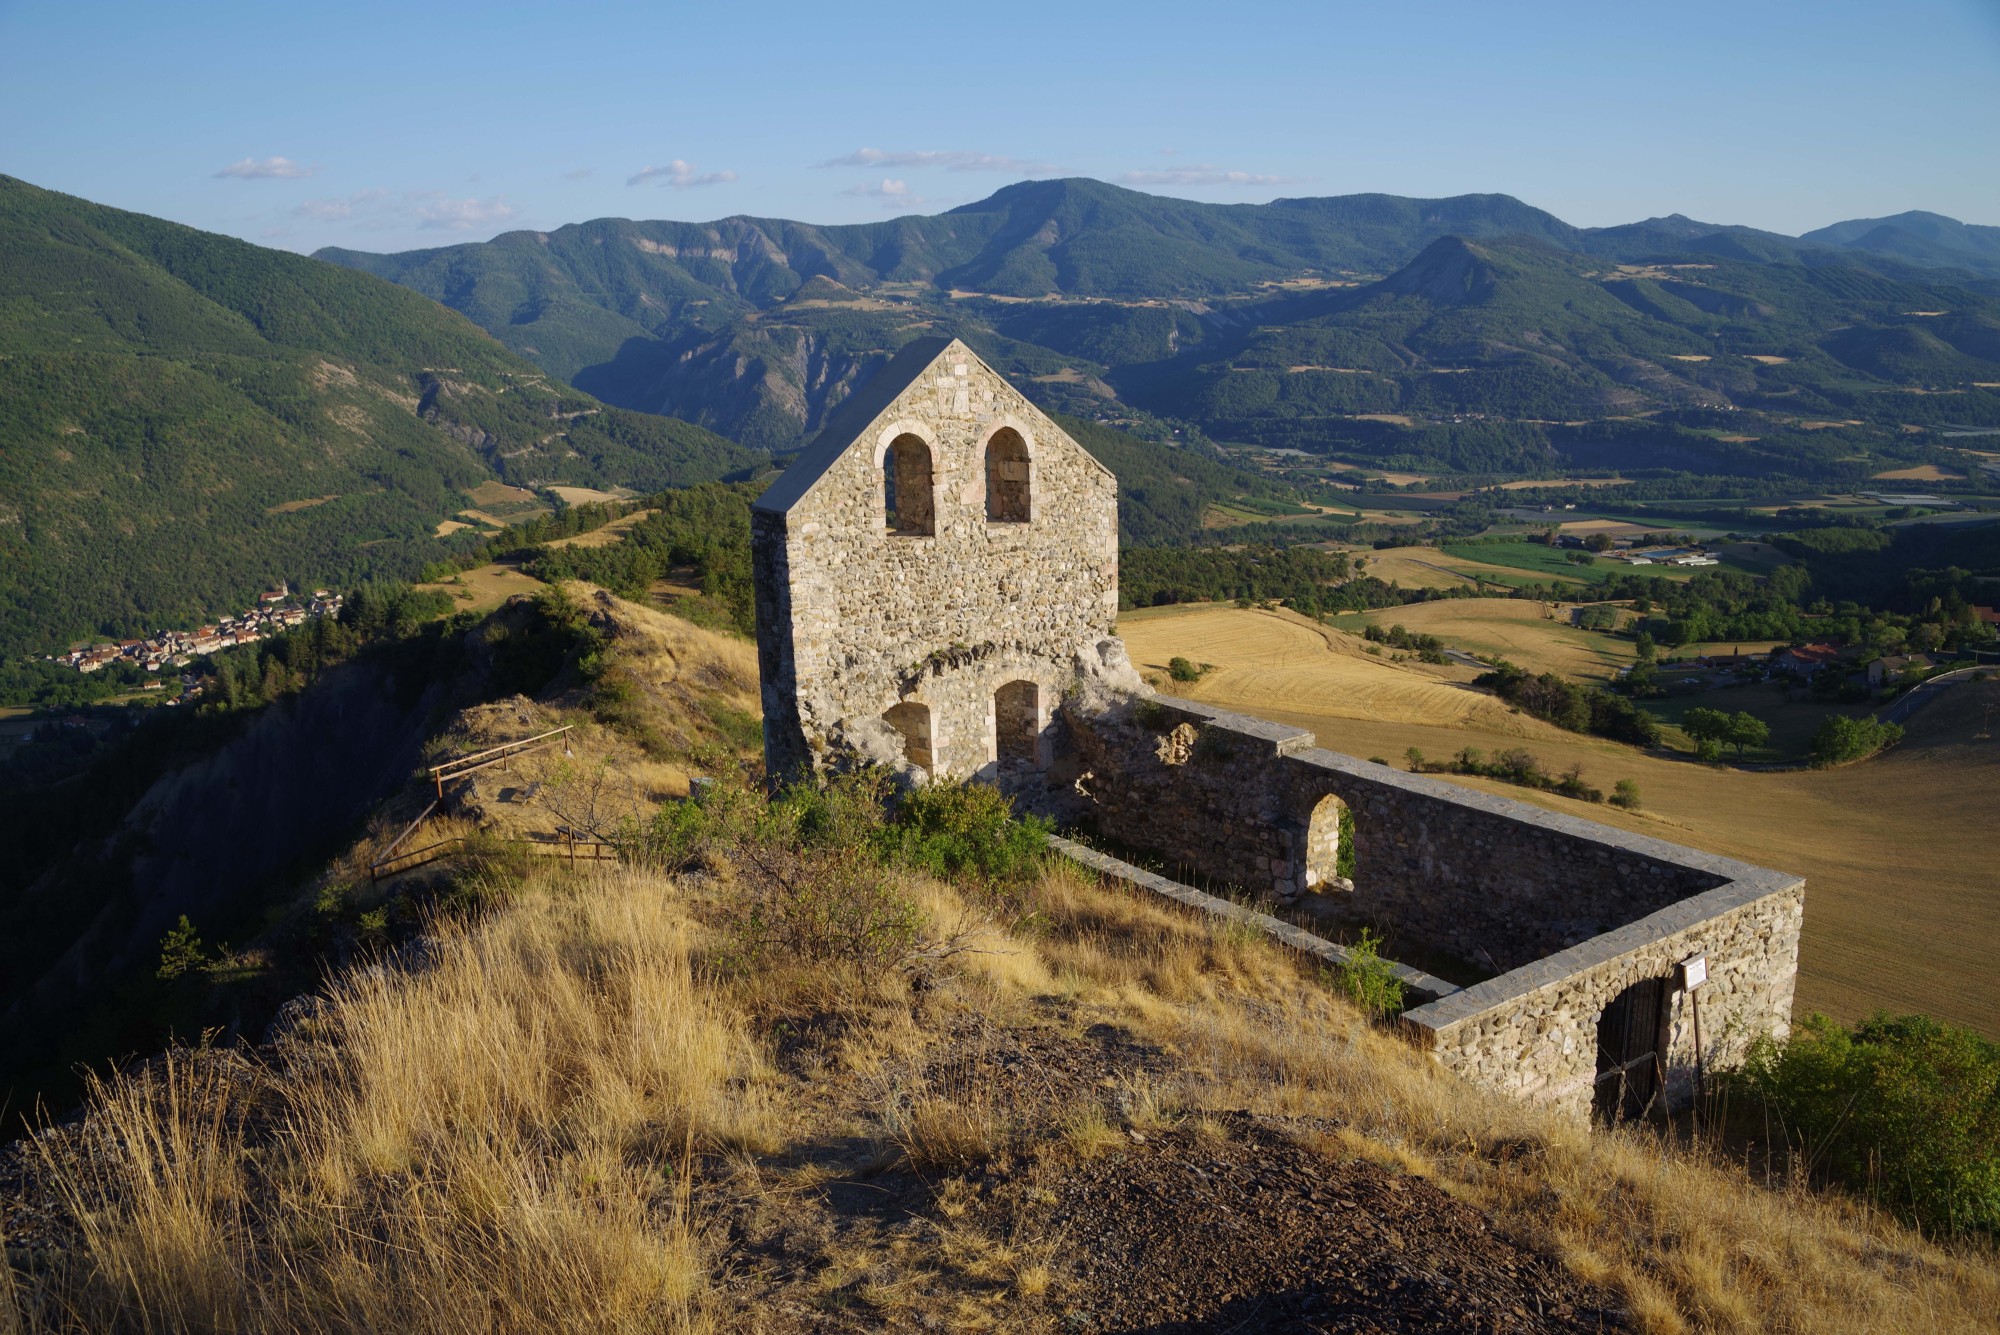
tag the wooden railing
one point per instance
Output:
(392, 863)
(495, 755)
(395, 859)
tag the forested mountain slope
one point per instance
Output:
(186, 418)
(1326, 313)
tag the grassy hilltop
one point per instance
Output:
(818, 1064)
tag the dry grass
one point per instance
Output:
(1533, 635)
(502, 1140)
(491, 492)
(1279, 660)
(1919, 473)
(588, 495)
(614, 531)
(498, 1142)
(1895, 853)
(484, 588)
(1429, 568)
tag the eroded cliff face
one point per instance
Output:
(211, 838)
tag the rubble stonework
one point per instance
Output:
(1568, 913)
(897, 646)
(969, 632)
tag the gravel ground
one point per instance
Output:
(1252, 1231)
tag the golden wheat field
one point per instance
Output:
(1537, 636)
(614, 531)
(484, 588)
(1902, 899)
(1429, 568)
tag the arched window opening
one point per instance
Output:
(1007, 493)
(1631, 1051)
(913, 721)
(1017, 723)
(1330, 846)
(907, 507)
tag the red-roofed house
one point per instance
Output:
(1806, 659)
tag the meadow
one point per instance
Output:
(1902, 905)
(1534, 635)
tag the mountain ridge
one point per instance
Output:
(758, 327)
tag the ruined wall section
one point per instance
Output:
(1532, 1032)
(853, 619)
(1569, 912)
(1482, 877)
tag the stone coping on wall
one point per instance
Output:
(1432, 1018)
(1300, 745)
(1415, 981)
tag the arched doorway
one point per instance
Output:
(1329, 850)
(908, 505)
(1017, 723)
(913, 721)
(1631, 1051)
(1008, 496)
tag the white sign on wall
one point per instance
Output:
(1694, 972)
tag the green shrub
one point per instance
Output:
(1181, 669)
(1625, 794)
(1368, 980)
(956, 831)
(1903, 1109)
(1343, 857)
(1842, 739)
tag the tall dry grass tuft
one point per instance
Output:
(498, 1141)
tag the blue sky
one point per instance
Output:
(384, 127)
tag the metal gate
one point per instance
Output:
(1631, 1043)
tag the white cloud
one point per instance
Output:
(956, 160)
(1204, 174)
(893, 193)
(430, 210)
(680, 175)
(580, 174)
(332, 210)
(434, 210)
(259, 169)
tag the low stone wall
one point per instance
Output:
(1532, 1032)
(1569, 913)
(1418, 986)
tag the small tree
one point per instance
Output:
(1181, 669)
(181, 950)
(1625, 794)
(1708, 729)
(1746, 729)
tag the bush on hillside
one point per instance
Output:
(1904, 1109)
(1842, 739)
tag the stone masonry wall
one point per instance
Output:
(853, 619)
(1571, 912)
(1532, 1033)
(1468, 874)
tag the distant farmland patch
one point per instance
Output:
(290, 506)
(498, 495)
(1920, 473)
(1530, 634)
(590, 496)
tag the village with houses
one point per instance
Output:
(277, 611)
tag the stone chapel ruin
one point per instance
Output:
(937, 591)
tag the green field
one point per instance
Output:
(1532, 556)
